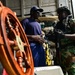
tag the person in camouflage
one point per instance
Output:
(66, 27)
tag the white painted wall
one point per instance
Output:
(62, 3)
(22, 7)
(73, 1)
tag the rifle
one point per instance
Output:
(58, 36)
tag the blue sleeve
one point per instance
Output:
(23, 24)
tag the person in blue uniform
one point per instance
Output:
(33, 31)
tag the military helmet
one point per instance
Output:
(62, 9)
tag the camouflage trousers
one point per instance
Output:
(67, 64)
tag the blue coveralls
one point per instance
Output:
(32, 27)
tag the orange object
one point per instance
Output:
(15, 52)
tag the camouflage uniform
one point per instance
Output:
(68, 51)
